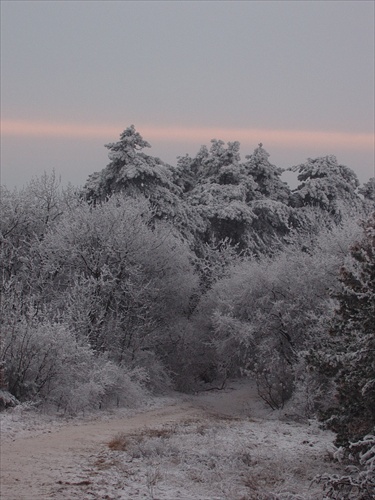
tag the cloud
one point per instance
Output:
(286, 138)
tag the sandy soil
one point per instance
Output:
(54, 462)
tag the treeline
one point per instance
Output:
(154, 275)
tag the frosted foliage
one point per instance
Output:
(130, 141)
(205, 270)
(233, 336)
(274, 306)
(26, 215)
(214, 196)
(219, 157)
(359, 481)
(326, 184)
(135, 174)
(224, 202)
(129, 168)
(266, 176)
(324, 166)
(44, 362)
(119, 278)
(348, 356)
(221, 192)
(111, 274)
(368, 189)
(272, 225)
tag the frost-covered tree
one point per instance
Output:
(133, 173)
(118, 277)
(350, 355)
(267, 176)
(368, 192)
(243, 202)
(368, 189)
(128, 167)
(220, 192)
(115, 279)
(274, 226)
(328, 185)
(27, 215)
(28, 212)
(348, 358)
(265, 313)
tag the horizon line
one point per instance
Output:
(39, 128)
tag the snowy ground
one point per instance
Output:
(218, 445)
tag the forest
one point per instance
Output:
(153, 276)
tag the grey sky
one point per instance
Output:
(282, 66)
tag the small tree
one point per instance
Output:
(350, 356)
(349, 359)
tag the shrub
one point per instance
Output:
(44, 362)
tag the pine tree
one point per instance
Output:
(351, 355)
(267, 176)
(368, 189)
(328, 185)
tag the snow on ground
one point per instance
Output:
(216, 445)
(218, 459)
(25, 420)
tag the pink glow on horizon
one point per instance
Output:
(202, 135)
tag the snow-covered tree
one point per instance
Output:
(267, 176)
(133, 173)
(265, 313)
(220, 192)
(368, 192)
(112, 275)
(118, 277)
(328, 185)
(350, 355)
(347, 358)
(26, 214)
(368, 189)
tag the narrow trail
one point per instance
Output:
(30, 467)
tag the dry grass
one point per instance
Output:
(217, 457)
(119, 443)
(245, 466)
(123, 442)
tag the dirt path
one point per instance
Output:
(31, 467)
(218, 445)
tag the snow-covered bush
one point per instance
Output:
(347, 356)
(45, 363)
(268, 311)
(120, 276)
(359, 482)
(102, 279)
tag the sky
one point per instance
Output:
(297, 76)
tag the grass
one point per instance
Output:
(123, 442)
(222, 458)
